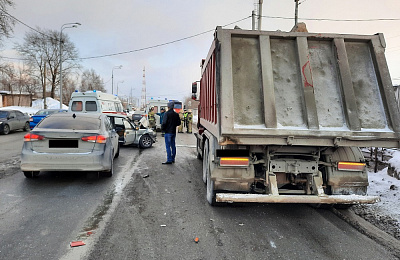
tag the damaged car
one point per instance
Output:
(131, 133)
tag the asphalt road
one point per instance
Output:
(152, 211)
(159, 216)
(40, 217)
(10, 150)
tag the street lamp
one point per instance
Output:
(112, 77)
(64, 26)
(117, 85)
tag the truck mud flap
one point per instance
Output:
(325, 199)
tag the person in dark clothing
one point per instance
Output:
(170, 121)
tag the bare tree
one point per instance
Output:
(41, 49)
(16, 78)
(69, 86)
(6, 21)
(91, 81)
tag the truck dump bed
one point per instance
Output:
(295, 88)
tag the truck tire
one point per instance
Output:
(199, 154)
(31, 174)
(207, 175)
(206, 167)
(210, 190)
(346, 154)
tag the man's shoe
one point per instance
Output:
(173, 161)
(167, 163)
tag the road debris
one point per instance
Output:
(145, 176)
(163, 225)
(196, 240)
(77, 243)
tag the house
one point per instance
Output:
(15, 99)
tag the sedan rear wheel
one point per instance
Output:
(6, 129)
(117, 154)
(145, 141)
(31, 174)
(27, 127)
(111, 171)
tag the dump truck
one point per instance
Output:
(282, 116)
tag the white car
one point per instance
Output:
(70, 142)
(131, 133)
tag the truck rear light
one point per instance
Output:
(95, 139)
(233, 161)
(32, 137)
(351, 166)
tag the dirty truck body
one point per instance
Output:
(283, 114)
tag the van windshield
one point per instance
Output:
(91, 106)
(76, 106)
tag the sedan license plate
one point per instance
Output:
(63, 143)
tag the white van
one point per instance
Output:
(95, 101)
(157, 105)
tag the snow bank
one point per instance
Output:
(387, 188)
(37, 105)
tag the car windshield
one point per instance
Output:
(3, 114)
(78, 123)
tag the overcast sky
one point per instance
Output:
(110, 27)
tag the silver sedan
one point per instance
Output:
(70, 142)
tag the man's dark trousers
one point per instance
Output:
(170, 146)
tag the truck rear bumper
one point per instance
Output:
(325, 199)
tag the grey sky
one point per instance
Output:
(110, 27)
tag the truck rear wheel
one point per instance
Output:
(207, 175)
(210, 190)
(31, 174)
(206, 167)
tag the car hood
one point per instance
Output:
(3, 119)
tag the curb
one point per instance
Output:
(371, 231)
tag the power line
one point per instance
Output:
(196, 35)
(30, 27)
(334, 20)
(161, 44)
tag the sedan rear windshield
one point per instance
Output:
(78, 123)
(3, 114)
(45, 112)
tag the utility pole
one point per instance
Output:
(143, 101)
(44, 86)
(296, 11)
(259, 14)
(253, 20)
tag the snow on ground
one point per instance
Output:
(37, 105)
(388, 189)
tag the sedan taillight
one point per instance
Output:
(32, 137)
(95, 139)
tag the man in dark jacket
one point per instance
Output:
(170, 121)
